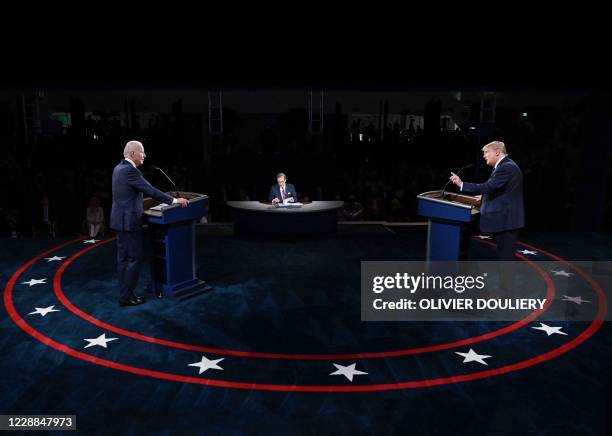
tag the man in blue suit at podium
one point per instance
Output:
(128, 188)
(282, 190)
(502, 212)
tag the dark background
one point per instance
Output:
(67, 110)
(61, 141)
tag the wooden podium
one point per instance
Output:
(450, 217)
(172, 233)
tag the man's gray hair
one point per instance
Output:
(496, 145)
(132, 146)
(281, 175)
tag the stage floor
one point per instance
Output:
(256, 355)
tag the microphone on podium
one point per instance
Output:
(166, 176)
(457, 173)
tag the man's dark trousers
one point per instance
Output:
(505, 253)
(129, 262)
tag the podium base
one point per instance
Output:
(181, 291)
(191, 291)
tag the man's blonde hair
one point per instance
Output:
(496, 145)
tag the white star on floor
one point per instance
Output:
(90, 241)
(561, 273)
(483, 237)
(348, 371)
(527, 252)
(577, 300)
(550, 330)
(33, 282)
(43, 311)
(472, 356)
(51, 259)
(206, 364)
(100, 340)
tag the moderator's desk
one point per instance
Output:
(253, 218)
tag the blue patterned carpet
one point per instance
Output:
(282, 314)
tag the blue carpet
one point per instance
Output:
(288, 298)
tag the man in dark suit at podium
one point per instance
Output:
(128, 188)
(502, 212)
(282, 190)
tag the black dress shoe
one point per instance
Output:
(140, 298)
(133, 302)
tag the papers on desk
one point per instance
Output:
(288, 205)
(159, 206)
(288, 202)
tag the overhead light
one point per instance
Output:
(524, 114)
(472, 128)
